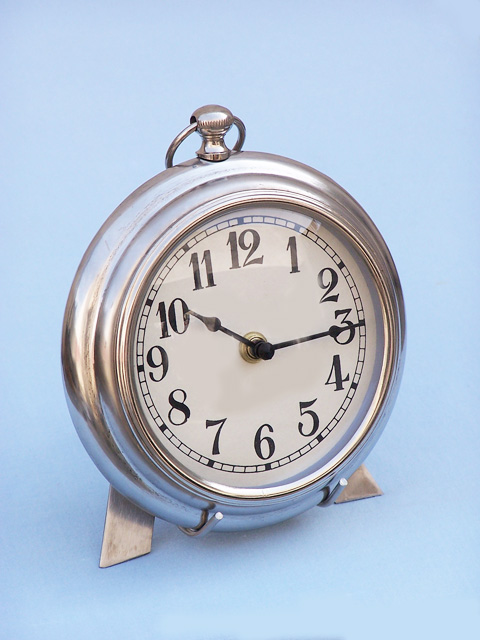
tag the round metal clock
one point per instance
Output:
(232, 344)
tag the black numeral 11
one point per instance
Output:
(195, 264)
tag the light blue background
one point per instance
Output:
(384, 98)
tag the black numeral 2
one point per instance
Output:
(328, 279)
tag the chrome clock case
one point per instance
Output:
(103, 301)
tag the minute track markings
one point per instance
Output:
(145, 313)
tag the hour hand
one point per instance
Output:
(214, 324)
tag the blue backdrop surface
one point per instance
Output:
(382, 96)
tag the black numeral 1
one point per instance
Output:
(207, 261)
(292, 247)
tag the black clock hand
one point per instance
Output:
(333, 332)
(265, 350)
(215, 324)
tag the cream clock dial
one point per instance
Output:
(233, 342)
(255, 420)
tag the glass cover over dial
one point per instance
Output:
(256, 350)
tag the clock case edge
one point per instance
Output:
(92, 318)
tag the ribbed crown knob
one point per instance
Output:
(213, 123)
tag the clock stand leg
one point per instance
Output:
(360, 485)
(207, 524)
(128, 531)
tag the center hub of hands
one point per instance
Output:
(261, 349)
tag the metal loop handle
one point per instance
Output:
(241, 134)
(212, 123)
(176, 142)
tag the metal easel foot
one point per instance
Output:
(127, 533)
(360, 485)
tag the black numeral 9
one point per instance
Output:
(157, 359)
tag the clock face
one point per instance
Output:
(256, 351)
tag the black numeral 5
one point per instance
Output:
(315, 421)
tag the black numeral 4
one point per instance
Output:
(335, 375)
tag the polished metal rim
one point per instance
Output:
(320, 477)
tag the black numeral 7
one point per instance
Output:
(216, 441)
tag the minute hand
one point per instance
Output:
(333, 332)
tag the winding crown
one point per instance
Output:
(213, 123)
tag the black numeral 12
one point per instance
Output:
(248, 240)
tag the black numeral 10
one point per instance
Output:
(177, 317)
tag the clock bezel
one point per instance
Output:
(161, 254)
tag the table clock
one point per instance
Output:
(232, 344)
